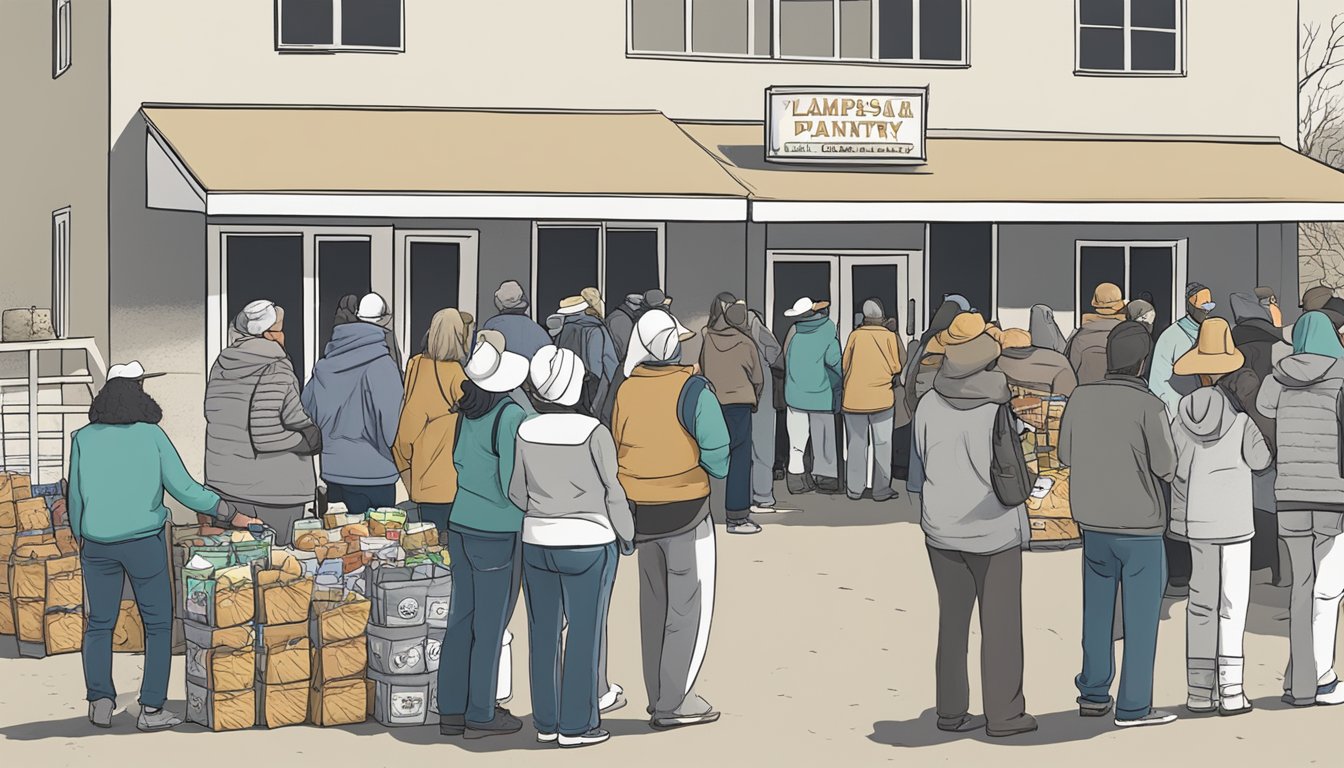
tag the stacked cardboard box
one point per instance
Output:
(1048, 512)
(42, 587)
(339, 693)
(284, 658)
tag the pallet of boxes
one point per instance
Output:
(41, 580)
(1048, 512)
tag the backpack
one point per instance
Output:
(494, 431)
(1008, 471)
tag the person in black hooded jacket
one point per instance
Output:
(1256, 336)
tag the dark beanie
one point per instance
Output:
(1128, 346)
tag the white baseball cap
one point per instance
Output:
(132, 370)
(372, 308)
(493, 368)
(805, 305)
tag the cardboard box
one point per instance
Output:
(332, 550)
(15, 486)
(280, 633)
(397, 650)
(128, 636)
(29, 625)
(31, 578)
(418, 536)
(66, 590)
(6, 616)
(221, 710)
(333, 622)
(284, 661)
(1050, 497)
(225, 669)
(64, 631)
(32, 515)
(65, 541)
(282, 705)
(41, 547)
(7, 536)
(8, 514)
(339, 702)
(1048, 532)
(339, 660)
(282, 598)
(220, 601)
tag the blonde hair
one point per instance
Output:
(449, 332)
(594, 300)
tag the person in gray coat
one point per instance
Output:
(522, 335)
(1116, 440)
(763, 421)
(974, 541)
(259, 442)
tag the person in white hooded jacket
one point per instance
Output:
(1218, 448)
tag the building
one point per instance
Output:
(430, 150)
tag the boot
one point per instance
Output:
(1232, 695)
(798, 484)
(1201, 678)
(827, 485)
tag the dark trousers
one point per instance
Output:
(437, 514)
(106, 567)
(484, 591)
(361, 498)
(737, 492)
(995, 581)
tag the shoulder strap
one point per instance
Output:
(688, 399)
(494, 431)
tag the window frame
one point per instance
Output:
(62, 254)
(335, 46)
(773, 55)
(603, 228)
(1179, 270)
(1126, 29)
(62, 37)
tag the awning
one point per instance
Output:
(314, 161)
(1040, 178)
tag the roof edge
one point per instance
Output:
(1004, 134)
(394, 108)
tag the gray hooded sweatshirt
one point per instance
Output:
(1217, 450)
(1303, 396)
(258, 439)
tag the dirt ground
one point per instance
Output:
(822, 650)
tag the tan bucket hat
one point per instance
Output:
(1214, 353)
(1015, 338)
(1108, 299)
(964, 327)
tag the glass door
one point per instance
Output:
(435, 270)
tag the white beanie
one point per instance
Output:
(258, 317)
(557, 375)
(372, 308)
(656, 338)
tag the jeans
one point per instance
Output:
(361, 498)
(737, 496)
(484, 591)
(763, 450)
(437, 514)
(570, 584)
(861, 430)
(1139, 564)
(819, 426)
(106, 567)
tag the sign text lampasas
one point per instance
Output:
(846, 125)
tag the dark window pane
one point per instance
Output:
(436, 274)
(940, 32)
(1098, 264)
(566, 264)
(872, 281)
(1101, 48)
(343, 268)
(1110, 12)
(371, 23)
(1151, 274)
(632, 265)
(719, 26)
(658, 25)
(306, 22)
(896, 29)
(1152, 51)
(961, 260)
(1160, 14)
(269, 267)
(794, 280)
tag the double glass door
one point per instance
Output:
(847, 279)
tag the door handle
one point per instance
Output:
(910, 319)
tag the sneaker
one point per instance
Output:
(156, 720)
(682, 721)
(744, 528)
(1330, 694)
(888, 497)
(1154, 717)
(771, 509)
(1237, 705)
(547, 738)
(452, 725)
(503, 724)
(962, 724)
(612, 701)
(798, 484)
(853, 497)
(100, 712)
(595, 736)
(1023, 723)
(1089, 708)
(827, 485)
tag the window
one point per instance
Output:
(61, 37)
(339, 25)
(435, 268)
(1138, 37)
(60, 271)
(617, 259)
(1152, 271)
(896, 31)
(266, 266)
(344, 265)
(961, 261)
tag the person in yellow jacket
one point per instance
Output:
(872, 367)
(426, 434)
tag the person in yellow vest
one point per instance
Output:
(670, 438)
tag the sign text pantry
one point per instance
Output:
(868, 125)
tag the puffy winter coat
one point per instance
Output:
(1303, 396)
(1087, 348)
(1217, 450)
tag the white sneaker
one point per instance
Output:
(613, 700)
(762, 509)
(547, 738)
(595, 736)
(1154, 717)
(1330, 694)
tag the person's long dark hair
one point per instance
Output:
(124, 401)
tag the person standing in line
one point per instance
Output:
(1217, 450)
(1045, 333)
(1303, 397)
(1086, 349)
(354, 397)
(427, 428)
(763, 420)
(1270, 301)
(670, 439)
(1116, 439)
(1036, 368)
(730, 361)
(872, 367)
(812, 391)
(584, 334)
(373, 310)
(1142, 311)
(483, 543)
(974, 541)
(1257, 336)
(621, 321)
(576, 516)
(121, 465)
(522, 335)
(259, 442)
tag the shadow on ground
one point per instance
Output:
(1055, 728)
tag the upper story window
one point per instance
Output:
(923, 32)
(62, 35)
(1131, 37)
(339, 25)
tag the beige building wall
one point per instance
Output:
(542, 53)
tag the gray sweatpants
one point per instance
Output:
(763, 450)
(676, 604)
(860, 428)
(1307, 536)
(820, 428)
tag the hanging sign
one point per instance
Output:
(872, 126)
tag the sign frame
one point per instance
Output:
(920, 93)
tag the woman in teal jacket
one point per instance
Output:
(120, 466)
(812, 382)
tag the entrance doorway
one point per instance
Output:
(1150, 270)
(437, 270)
(847, 279)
